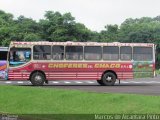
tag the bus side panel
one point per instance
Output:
(20, 72)
(3, 66)
(72, 70)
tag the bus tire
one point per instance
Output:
(100, 82)
(109, 79)
(37, 79)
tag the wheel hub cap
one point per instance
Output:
(38, 78)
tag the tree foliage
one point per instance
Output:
(63, 27)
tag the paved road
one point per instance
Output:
(149, 86)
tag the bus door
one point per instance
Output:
(17, 58)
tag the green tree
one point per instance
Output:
(6, 21)
(62, 27)
(145, 30)
(25, 27)
(110, 34)
(55, 26)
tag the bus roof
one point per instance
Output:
(81, 43)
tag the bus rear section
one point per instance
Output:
(3, 62)
(41, 62)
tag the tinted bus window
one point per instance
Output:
(58, 52)
(74, 52)
(93, 52)
(126, 53)
(142, 53)
(3, 55)
(110, 53)
(42, 52)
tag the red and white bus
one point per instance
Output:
(41, 62)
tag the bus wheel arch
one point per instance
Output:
(40, 74)
(111, 75)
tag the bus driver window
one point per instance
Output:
(19, 56)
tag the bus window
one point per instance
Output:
(42, 52)
(58, 52)
(74, 52)
(19, 56)
(110, 53)
(3, 55)
(142, 53)
(125, 53)
(92, 52)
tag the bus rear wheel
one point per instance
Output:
(37, 79)
(109, 79)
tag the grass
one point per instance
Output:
(39, 100)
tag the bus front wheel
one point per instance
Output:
(100, 82)
(109, 79)
(37, 79)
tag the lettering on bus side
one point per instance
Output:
(75, 65)
(65, 65)
(107, 66)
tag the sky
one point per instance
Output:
(94, 14)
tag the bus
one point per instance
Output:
(40, 62)
(3, 61)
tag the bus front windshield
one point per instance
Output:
(19, 56)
